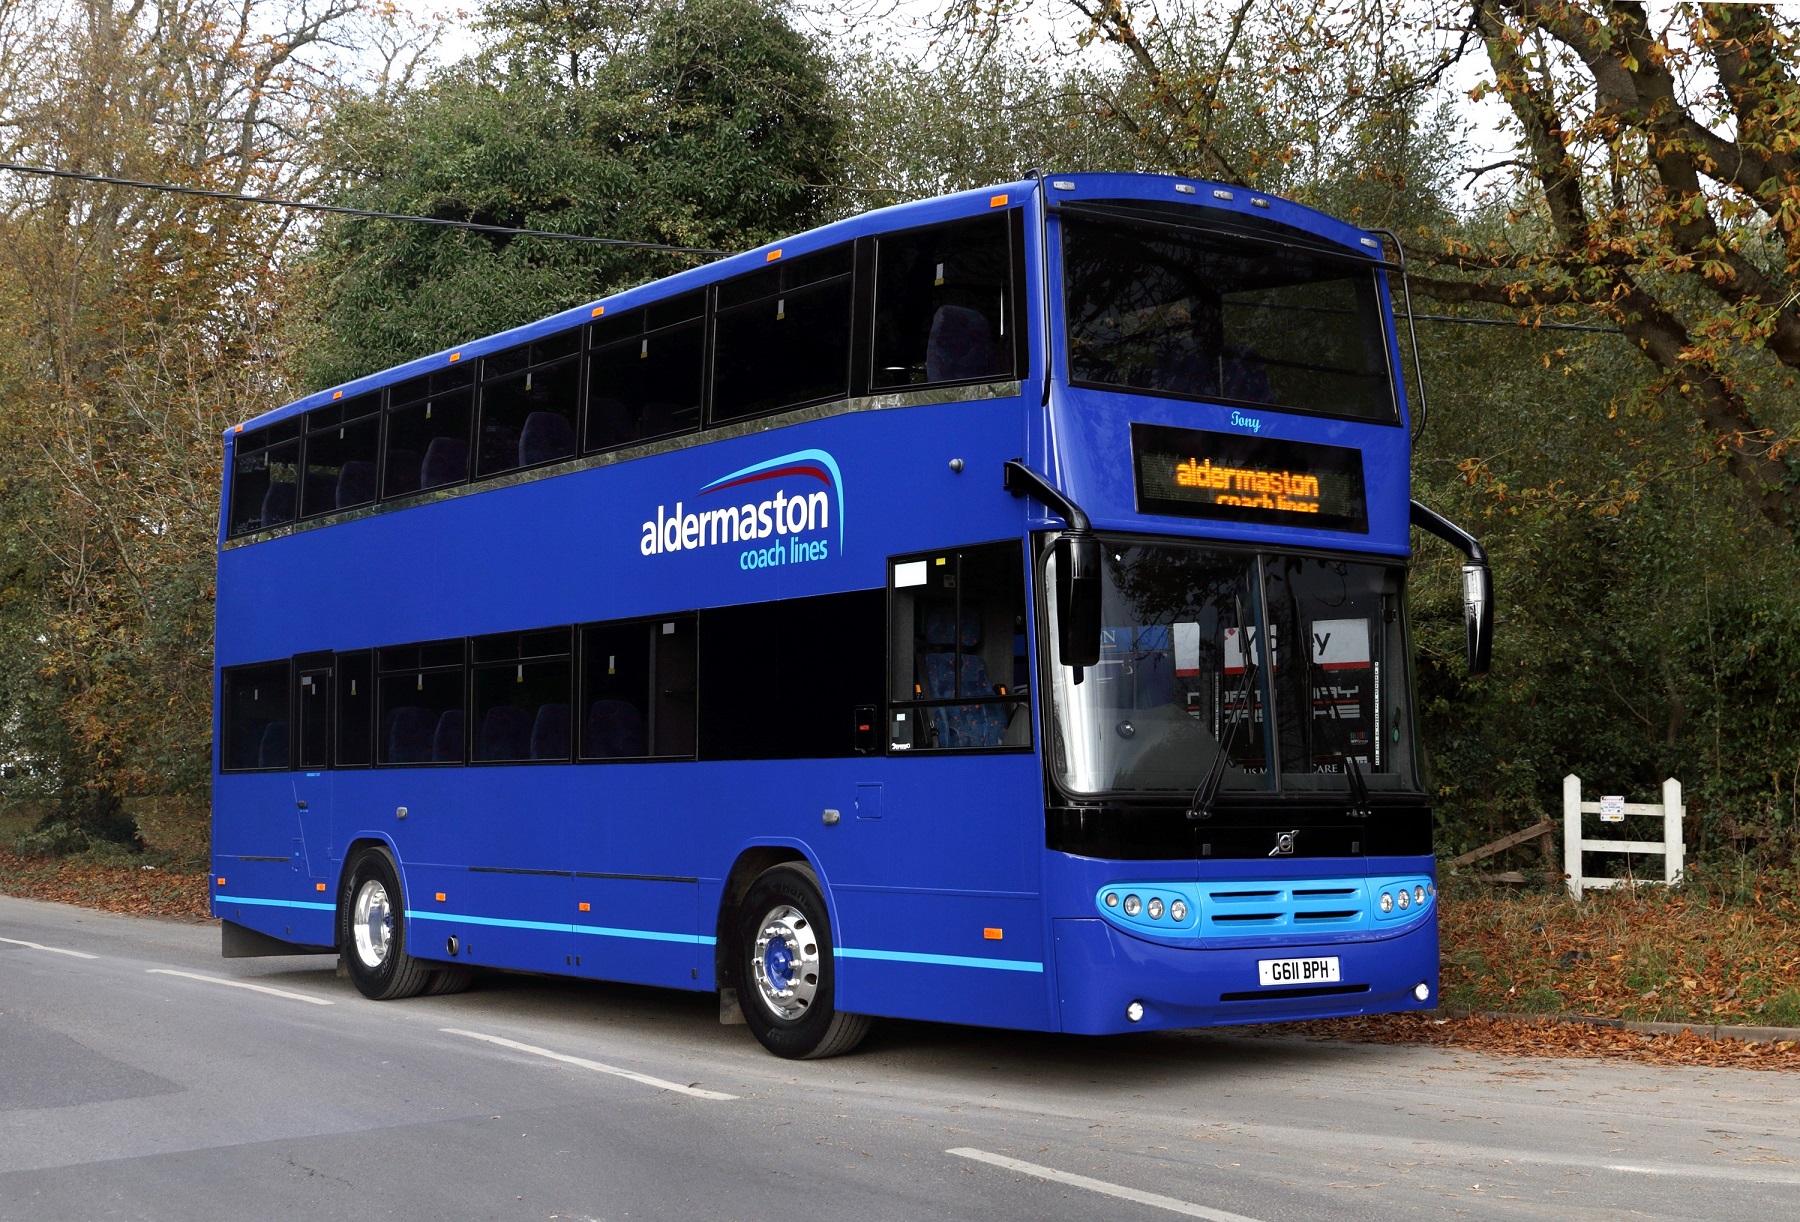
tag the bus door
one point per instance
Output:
(312, 755)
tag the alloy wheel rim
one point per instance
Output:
(372, 923)
(785, 962)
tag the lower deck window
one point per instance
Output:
(255, 719)
(960, 674)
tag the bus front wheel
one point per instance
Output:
(372, 931)
(785, 973)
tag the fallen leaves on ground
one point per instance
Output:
(129, 889)
(1722, 948)
(1512, 1037)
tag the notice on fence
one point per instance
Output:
(1612, 808)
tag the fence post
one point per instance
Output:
(1673, 862)
(1572, 833)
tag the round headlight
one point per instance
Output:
(1112, 899)
(1178, 911)
(1422, 991)
(1135, 1011)
(1387, 902)
(1419, 896)
(1132, 904)
(1155, 908)
(1403, 898)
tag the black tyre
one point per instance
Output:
(785, 975)
(372, 931)
(450, 980)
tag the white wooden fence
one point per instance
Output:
(1575, 844)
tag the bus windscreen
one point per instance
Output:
(1192, 313)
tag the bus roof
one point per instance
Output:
(1254, 206)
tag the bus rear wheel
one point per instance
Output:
(786, 977)
(372, 931)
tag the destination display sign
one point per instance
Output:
(1196, 474)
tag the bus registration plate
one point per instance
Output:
(1298, 971)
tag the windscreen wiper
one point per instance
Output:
(1360, 807)
(1200, 806)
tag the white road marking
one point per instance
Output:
(584, 1063)
(55, 950)
(1156, 1200)
(238, 984)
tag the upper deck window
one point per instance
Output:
(264, 478)
(529, 397)
(646, 370)
(782, 336)
(943, 300)
(428, 432)
(341, 440)
(1156, 307)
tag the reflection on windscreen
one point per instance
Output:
(1206, 315)
(1184, 673)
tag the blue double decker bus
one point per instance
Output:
(989, 610)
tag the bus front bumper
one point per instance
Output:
(1105, 975)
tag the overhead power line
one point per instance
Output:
(1518, 326)
(341, 210)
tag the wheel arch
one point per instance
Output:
(752, 862)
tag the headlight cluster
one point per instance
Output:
(1404, 897)
(1154, 908)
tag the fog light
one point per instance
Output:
(1419, 896)
(1155, 909)
(1178, 911)
(1112, 899)
(1422, 991)
(1132, 905)
(1404, 899)
(1387, 902)
(1135, 1011)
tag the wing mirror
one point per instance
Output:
(1078, 561)
(1478, 584)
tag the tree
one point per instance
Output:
(137, 329)
(703, 123)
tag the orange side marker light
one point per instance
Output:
(221, 882)
(440, 897)
(991, 934)
(583, 907)
(318, 886)
(999, 201)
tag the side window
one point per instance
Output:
(254, 722)
(340, 455)
(782, 336)
(646, 369)
(311, 740)
(265, 471)
(793, 679)
(420, 704)
(521, 689)
(960, 666)
(428, 432)
(529, 396)
(943, 304)
(355, 709)
(637, 689)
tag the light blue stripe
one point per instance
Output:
(647, 935)
(499, 922)
(222, 898)
(907, 956)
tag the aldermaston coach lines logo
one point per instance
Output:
(776, 525)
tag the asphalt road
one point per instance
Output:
(135, 1084)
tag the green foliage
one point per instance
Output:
(702, 123)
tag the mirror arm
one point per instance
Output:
(1435, 523)
(1023, 481)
